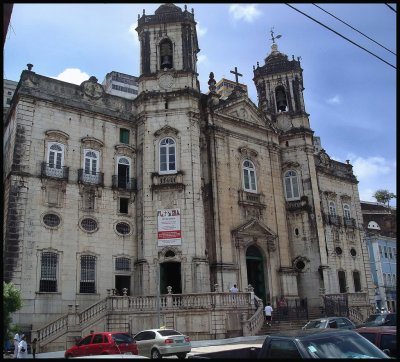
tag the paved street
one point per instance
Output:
(198, 347)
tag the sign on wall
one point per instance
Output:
(169, 227)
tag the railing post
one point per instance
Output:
(76, 314)
(71, 322)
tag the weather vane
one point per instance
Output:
(274, 37)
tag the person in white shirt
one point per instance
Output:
(234, 289)
(22, 348)
(17, 339)
(268, 314)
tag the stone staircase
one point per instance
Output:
(278, 325)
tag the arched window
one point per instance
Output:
(55, 159)
(167, 156)
(249, 176)
(123, 172)
(332, 208)
(166, 58)
(291, 185)
(346, 211)
(91, 166)
(281, 101)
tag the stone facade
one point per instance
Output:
(89, 179)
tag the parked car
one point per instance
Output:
(384, 337)
(330, 322)
(309, 343)
(156, 343)
(102, 343)
(380, 319)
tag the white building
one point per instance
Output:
(120, 84)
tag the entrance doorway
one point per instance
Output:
(255, 273)
(121, 282)
(170, 275)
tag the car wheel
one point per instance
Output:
(181, 355)
(68, 356)
(155, 354)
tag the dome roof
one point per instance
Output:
(168, 8)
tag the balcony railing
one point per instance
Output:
(334, 219)
(250, 198)
(124, 183)
(51, 170)
(349, 222)
(96, 178)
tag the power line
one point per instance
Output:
(354, 29)
(390, 7)
(327, 27)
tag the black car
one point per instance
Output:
(309, 343)
(380, 319)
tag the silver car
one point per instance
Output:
(330, 322)
(156, 343)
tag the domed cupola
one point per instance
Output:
(168, 8)
(279, 83)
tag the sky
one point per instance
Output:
(349, 71)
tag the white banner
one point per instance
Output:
(169, 227)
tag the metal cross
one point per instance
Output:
(237, 74)
(274, 37)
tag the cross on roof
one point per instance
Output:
(237, 75)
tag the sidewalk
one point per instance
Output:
(197, 346)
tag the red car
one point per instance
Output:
(103, 343)
(385, 338)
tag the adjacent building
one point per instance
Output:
(175, 191)
(120, 84)
(381, 236)
(9, 87)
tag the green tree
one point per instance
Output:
(384, 196)
(12, 302)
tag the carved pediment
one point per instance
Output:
(290, 165)
(255, 230)
(60, 136)
(166, 130)
(248, 152)
(243, 110)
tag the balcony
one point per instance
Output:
(168, 181)
(128, 184)
(251, 199)
(333, 219)
(94, 178)
(349, 222)
(53, 171)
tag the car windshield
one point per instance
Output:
(122, 338)
(168, 332)
(342, 346)
(315, 324)
(375, 319)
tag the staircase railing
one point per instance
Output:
(251, 326)
(52, 328)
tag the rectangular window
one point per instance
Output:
(380, 251)
(88, 273)
(124, 136)
(390, 253)
(123, 264)
(385, 251)
(123, 205)
(48, 277)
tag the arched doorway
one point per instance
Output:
(255, 272)
(170, 275)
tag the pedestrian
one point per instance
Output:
(234, 289)
(268, 314)
(33, 346)
(22, 348)
(17, 339)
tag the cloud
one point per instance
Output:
(134, 33)
(72, 75)
(334, 100)
(200, 31)
(201, 59)
(366, 168)
(244, 12)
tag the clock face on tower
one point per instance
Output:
(165, 81)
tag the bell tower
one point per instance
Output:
(279, 84)
(168, 43)
(170, 213)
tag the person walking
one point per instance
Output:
(268, 314)
(22, 348)
(17, 339)
(33, 346)
(234, 289)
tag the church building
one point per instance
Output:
(175, 191)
